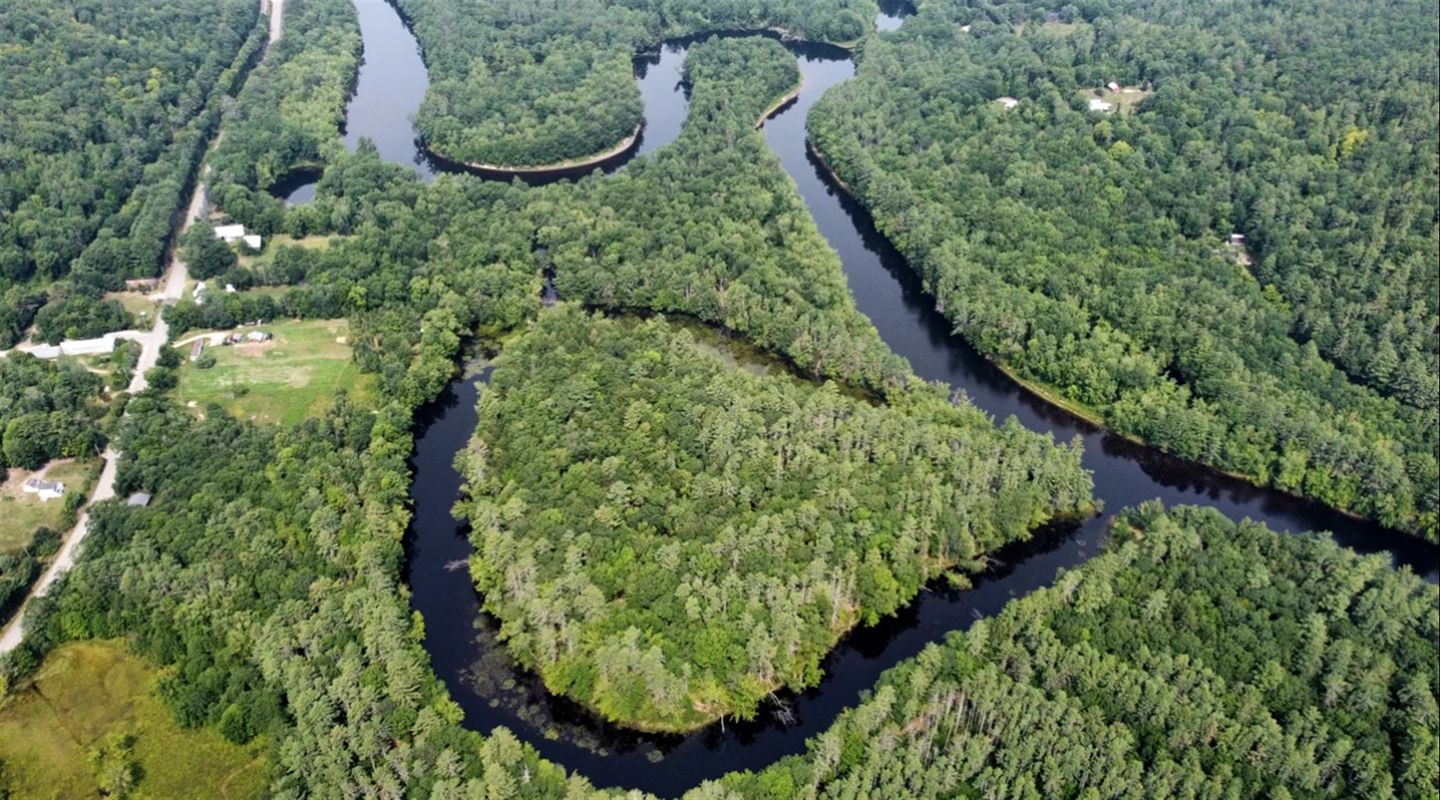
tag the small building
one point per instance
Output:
(252, 241)
(229, 288)
(258, 336)
(138, 284)
(1007, 102)
(46, 490)
(1237, 240)
(1113, 86)
(138, 500)
(1096, 104)
(230, 233)
(1052, 17)
(964, 28)
(196, 349)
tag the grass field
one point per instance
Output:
(21, 513)
(88, 689)
(285, 380)
(139, 305)
(283, 240)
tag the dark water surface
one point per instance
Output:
(460, 639)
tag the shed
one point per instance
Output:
(252, 241)
(1096, 104)
(1007, 102)
(47, 490)
(230, 233)
(138, 500)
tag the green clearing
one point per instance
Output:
(21, 514)
(279, 240)
(86, 690)
(286, 380)
(138, 305)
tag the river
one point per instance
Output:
(460, 639)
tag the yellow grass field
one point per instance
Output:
(86, 690)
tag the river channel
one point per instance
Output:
(460, 638)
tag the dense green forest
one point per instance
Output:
(47, 410)
(669, 538)
(1196, 658)
(107, 110)
(716, 209)
(531, 83)
(289, 115)
(1086, 251)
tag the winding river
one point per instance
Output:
(460, 639)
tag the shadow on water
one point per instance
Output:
(462, 641)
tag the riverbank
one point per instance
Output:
(558, 169)
(1093, 417)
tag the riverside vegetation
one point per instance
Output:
(1197, 658)
(265, 578)
(1084, 250)
(669, 538)
(538, 83)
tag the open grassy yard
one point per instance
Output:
(290, 378)
(283, 240)
(21, 513)
(86, 690)
(139, 305)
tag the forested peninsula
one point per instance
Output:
(670, 538)
(542, 84)
(1092, 252)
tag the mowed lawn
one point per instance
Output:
(21, 513)
(88, 689)
(286, 380)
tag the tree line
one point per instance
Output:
(108, 110)
(1088, 251)
(1197, 657)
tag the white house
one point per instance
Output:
(1096, 104)
(1113, 86)
(1008, 102)
(47, 490)
(230, 233)
(252, 241)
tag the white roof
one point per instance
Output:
(1096, 104)
(253, 240)
(1008, 102)
(229, 232)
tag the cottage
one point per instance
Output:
(1113, 86)
(46, 490)
(1237, 240)
(138, 500)
(252, 241)
(1008, 102)
(230, 233)
(258, 336)
(1096, 104)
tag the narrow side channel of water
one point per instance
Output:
(460, 639)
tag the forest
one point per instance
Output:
(538, 83)
(1196, 658)
(288, 116)
(1089, 253)
(108, 108)
(670, 538)
(265, 581)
